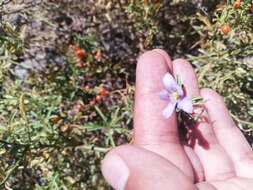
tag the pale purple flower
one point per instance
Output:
(175, 95)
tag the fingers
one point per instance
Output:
(185, 71)
(132, 168)
(229, 136)
(213, 158)
(198, 170)
(150, 125)
(151, 130)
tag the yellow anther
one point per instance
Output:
(175, 96)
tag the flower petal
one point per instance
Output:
(186, 105)
(169, 82)
(180, 91)
(164, 95)
(168, 111)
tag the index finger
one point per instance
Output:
(152, 130)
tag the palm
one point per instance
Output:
(234, 180)
(217, 155)
(235, 175)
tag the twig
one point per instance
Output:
(95, 148)
(243, 122)
(10, 171)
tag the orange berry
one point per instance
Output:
(80, 53)
(98, 98)
(55, 119)
(102, 91)
(225, 29)
(237, 4)
(98, 55)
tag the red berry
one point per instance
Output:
(237, 4)
(55, 119)
(80, 53)
(102, 91)
(225, 29)
(98, 98)
(98, 55)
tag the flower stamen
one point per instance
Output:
(175, 96)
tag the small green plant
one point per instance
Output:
(143, 14)
(11, 44)
(224, 60)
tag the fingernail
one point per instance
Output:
(115, 171)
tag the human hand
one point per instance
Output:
(219, 159)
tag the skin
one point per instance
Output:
(219, 159)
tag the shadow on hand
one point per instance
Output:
(189, 133)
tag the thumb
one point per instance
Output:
(131, 168)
